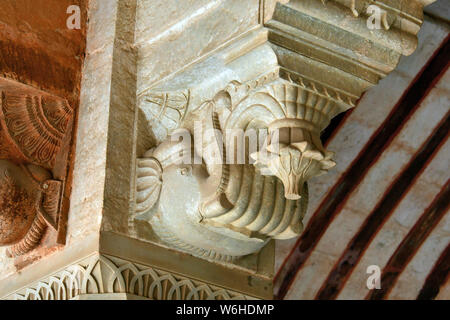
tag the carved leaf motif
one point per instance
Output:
(294, 164)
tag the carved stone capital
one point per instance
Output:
(287, 78)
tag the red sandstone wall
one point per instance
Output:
(37, 48)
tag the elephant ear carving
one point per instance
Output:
(35, 125)
(149, 184)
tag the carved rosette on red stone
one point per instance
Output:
(35, 134)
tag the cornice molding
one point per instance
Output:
(98, 275)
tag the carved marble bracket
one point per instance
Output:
(287, 79)
(34, 129)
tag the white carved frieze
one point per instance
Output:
(100, 275)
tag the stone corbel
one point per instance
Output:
(288, 78)
(34, 129)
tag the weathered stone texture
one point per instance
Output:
(152, 67)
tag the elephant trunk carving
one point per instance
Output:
(225, 209)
